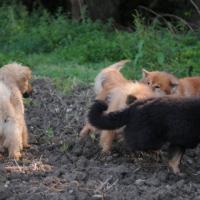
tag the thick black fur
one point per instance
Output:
(153, 122)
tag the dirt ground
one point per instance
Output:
(60, 166)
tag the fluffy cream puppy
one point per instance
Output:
(14, 82)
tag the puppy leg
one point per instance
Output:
(13, 139)
(88, 127)
(1, 145)
(25, 136)
(175, 157)
(106, 140)
(86, 130)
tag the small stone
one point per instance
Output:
(71, 191)
(139, 182)
(180, 183)
(153, 182)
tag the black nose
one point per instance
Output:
(27, 94)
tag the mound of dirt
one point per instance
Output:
(59, 166)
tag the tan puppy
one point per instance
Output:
(118, 100)
(163, 83)
(14, 82)
(111, 85)
(109, 78)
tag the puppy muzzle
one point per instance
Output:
(29, 92)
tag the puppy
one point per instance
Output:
(163, 83)
(14, 82)
(109, 78)
(111, 85)
(118, 100)
(151, 123)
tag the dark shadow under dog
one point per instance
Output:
(151, 123)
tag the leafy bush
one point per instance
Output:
(58, 47)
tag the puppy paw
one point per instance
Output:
(105, 152)
(83, 134)
(26, 146)
(2, 149)
(15, 155)
(1, 157)
(106, 156)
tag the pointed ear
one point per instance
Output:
(145, 73)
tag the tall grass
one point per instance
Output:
(72, 52)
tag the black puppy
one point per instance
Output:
(153, 122)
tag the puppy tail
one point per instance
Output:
(105, 75)
(119, 65)
(107, 121)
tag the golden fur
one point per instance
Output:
(110, 84)
(118, 100)
(14, 82)
(107, 79)
(163, 83)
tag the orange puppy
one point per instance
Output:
(118, 100)
(163, 83)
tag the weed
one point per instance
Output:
(65, 147)
(50, 133)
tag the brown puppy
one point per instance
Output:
(110, 84)
(163, 83)
(14, 82)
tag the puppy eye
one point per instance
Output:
(148, 83)
(157, 86)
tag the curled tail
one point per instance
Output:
(117, 66)
(107, 121)
(104, 75)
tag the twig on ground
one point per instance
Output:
(195, 6)
(19, 168)
(158, 16)
(162, 16)
(180, 19)
(102, 184)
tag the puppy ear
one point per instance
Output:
(25, 73)
(145, 73)
(130, 99)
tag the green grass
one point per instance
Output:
(72, 53)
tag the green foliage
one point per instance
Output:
(65, 147)
(72, 53)
(50, 133)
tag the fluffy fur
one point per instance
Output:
(164, 83)
(118, 100)
(109, 78)
(153, 122)
(110, 85)
(14, 82)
